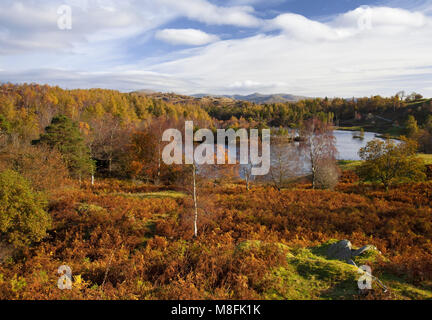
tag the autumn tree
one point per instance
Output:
(23, 218)
(425, 136)
(41, 166)
(195, 182)
(108, 140)
(197, 177)
(285, 164)
(157, 127)
(387, 162)
(411, 127)
(64, 135)
(144, 154)
(319, 149)
(428, 124)
(5, 127)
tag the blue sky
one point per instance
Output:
(305, 47)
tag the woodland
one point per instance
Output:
(82, 185)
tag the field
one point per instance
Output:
(349, 164)
(129, 241)
(427, 158)
(352, 164)
(131, 234)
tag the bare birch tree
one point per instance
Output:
(319, 149)
(285, 164)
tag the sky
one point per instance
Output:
(329, 48)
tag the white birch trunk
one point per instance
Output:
(195, 202)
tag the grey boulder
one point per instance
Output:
(342, 250)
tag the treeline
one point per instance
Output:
(337, 109)
(119, 134)
(394, 116)
(94, 131)
(274, 115)
(29, 108)
(26, 110)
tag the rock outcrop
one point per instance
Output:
(342, 250)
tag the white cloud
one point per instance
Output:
(206, 12)
(352, 23)
(32, 25)
(255, 2)
(300, 27)
(341, 56)
(381, 16)
(192, 37)
(319, 59)
(122, 80)
(249, 86)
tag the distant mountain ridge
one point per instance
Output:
(254, 98)
(258, 97)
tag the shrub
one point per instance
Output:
(22, 215)
(42, 167)
(349, 176)
(327, 175)
(387, 162)
(429, 171)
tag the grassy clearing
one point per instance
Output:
(153, 195)
(392, 133)
(353, 164)
(417, 102)
(353, 128)
(427, 158)
(349, 164)
(310, 274)
(382, 130)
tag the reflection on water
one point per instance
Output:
(347, 146)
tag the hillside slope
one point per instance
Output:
(258, 97)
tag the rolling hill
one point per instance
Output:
(258, 97)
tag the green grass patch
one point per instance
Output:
(349, 164)
(427, 158)
(90, 208)
(153, 195)
(353, 128)
(417, 103)
(403, 290)
(392, 132)
(310, 274)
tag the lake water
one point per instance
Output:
(348, 147)
(288, 153)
